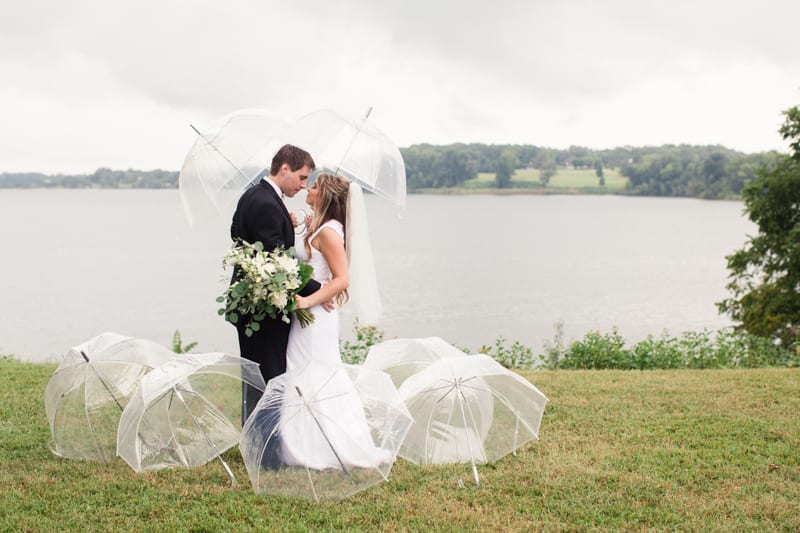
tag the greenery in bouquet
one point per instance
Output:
(264, 285)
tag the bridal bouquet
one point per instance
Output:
(265, 285)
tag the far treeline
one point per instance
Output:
(712, 172)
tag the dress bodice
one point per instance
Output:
(322, 271)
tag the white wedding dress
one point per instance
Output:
(324, 426)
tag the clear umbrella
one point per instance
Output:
(324, 433)
(357, 149)
(225, 159)
(85, 396)
(401, 358)
(469, 409)
(182, 412)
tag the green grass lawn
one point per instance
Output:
(697, 450)
(584, 180)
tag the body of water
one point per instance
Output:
(465, 268)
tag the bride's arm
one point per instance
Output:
(332, 247)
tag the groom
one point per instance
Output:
(262, 216)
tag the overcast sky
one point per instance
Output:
(87, 83)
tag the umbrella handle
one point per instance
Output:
(469, 446)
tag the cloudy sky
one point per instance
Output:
(90, 83)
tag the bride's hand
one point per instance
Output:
(302, 302)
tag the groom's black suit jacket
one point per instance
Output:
(262, 216)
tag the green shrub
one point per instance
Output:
(651, 353)
(514, 356)
(724, 348)
(598, 351)
(178, 346)
(356, 352)
(742, 350)
(553, 351)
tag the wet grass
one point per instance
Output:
(701, 450)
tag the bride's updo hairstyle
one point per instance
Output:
(332, 194)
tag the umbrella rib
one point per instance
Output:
(172, 429)
(100, 378)
(505, 401)
(89, 422)
(352, 141)
(223, 156)
(55, 416)
(427, 426)
(322, 430)
(205, 434)
(327, 398)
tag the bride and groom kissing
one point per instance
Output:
(280, 347)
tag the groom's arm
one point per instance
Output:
(311, 287)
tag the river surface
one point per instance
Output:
(468, 269)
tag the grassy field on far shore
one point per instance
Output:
(566, 180)
(689, 450)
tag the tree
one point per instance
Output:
(547, 170)
(765, 274)
(506, 164)
(598, 169)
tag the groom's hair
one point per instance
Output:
(293, 156)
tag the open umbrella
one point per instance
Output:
(469, 409)
(225, 159)
(314, 435)
(356, 149)
(401, 358)
(85, 396)
(182, 412)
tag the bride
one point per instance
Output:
(326, 427)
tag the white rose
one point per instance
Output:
(278, 299)
(289, 264)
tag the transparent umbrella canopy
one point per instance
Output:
(324, 433)
(185, 413)
(86, 395)
(356, 149)
(225, 159)
(401, 358)
(469, 409)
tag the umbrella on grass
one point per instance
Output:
(183, 413)
(324, 433)
(402, 358)
(87, 393)
(469, 409)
